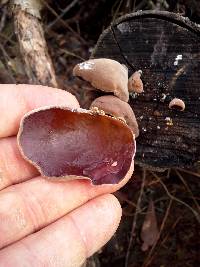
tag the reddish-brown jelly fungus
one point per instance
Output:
(75, 144)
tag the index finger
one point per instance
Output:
(16, 100)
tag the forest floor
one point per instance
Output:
(71, 29)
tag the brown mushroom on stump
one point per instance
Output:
(105, 74)
(117, 108)
(67, 144)
(177, 104)
(135, 83)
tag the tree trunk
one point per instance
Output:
(33, 47)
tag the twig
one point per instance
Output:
(187, 187)
(122, 196)
(177, 199)
(3, 18)
(62, 21)
(128, 4)
(149, 258)
(168, 173)
(134, 5)
(141, 5)
(117, 10)
(135, 217)
(8, 39)
(7, 60)
(72, 4)
(189, 172)
(172, 227)
(142, 210)
(68, 53)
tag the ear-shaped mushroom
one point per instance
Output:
(77, 144)
(135, 83)
(177, 104)
(117, 108)
(105, 74)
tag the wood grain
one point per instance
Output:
(166, 47)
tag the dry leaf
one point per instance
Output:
(149, 233)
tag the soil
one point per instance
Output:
(71, 36)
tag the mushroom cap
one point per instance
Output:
(177, 103)
(135, 83)
(105, 74)
(66, 144)
(117, 108)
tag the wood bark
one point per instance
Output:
(166, 47)
(33, 47)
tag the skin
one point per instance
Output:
(46, 223)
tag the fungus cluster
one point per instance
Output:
(110, 76)
(96, 144)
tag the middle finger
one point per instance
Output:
(32, 205)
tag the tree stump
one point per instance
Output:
(166, 47)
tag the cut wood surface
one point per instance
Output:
(166, 47)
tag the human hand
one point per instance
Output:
(46, 223)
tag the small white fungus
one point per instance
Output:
(178, 57)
